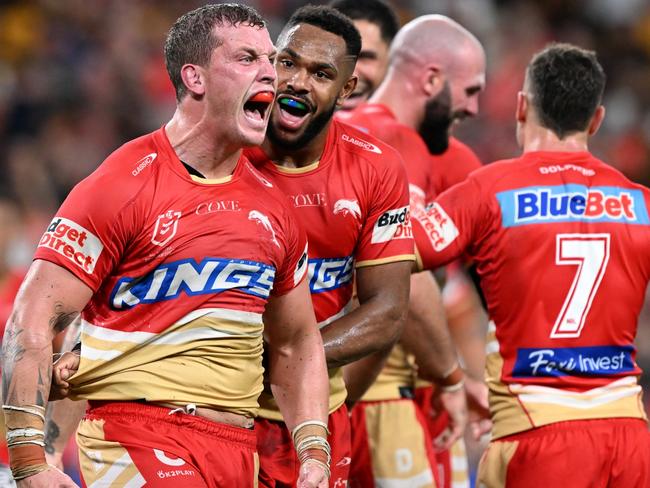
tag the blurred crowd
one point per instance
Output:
(80, 77)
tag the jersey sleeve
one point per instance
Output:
(88, 234)
(294, 266)
(387, 235)
(451, 225)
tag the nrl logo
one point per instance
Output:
(260, 218)
(166, 227)
(346, 207)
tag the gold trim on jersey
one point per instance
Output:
(297, 171)
(104, 463)
(516, 407)
(211, 181)
(210, 357)
(391, 259)
(419, 264)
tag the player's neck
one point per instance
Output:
(201, 146)
(289, 157)
(391, 94)
(542, 139)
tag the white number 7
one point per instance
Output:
(590, 252)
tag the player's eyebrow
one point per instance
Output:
(315, 65)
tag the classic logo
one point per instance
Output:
(392, 224)
(327, 274)
(572, 203)
(309, 199)
(73, 241)
(573, 361)
(260, 218)
(361, 143)
(439, 227)
(347, 207)
(143, 163)
(209, 276)
(166, 227)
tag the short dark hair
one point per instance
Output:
(330, 20)
(376, 12)
(567, 85)
(191, 39)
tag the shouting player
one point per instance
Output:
(175, 252)
(350, 193)
(560, 240)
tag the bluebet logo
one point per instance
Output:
(209, 276)
(329, 273)
(572, 203)
(573, 361)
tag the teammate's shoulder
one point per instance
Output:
(360, 145)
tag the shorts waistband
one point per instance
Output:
(98, 410)
(582, 424)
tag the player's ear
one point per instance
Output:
(193, 79)
(432, 81)
(347, 89)
(522, 106)
(596, 120)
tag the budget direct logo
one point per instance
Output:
(392, 224)
(439, 227)
(74, 242)
(572, 203)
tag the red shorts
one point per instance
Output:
(130, 444)
(279, 463)
(603, 453)
(390, 446)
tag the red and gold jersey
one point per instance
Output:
(560, 242)
(182, 268)
(353, 203)
(378, 120)
(451, 167)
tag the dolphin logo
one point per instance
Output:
(346, 207)
(259, 217)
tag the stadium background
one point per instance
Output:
(80, 77)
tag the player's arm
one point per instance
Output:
(298, 376)
(426, 335)
(63, 416)
(375, 326)
(48, 300)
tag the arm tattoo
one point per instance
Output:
(12, 353)
(52, 432)
(61, 318)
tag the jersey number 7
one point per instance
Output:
(590, 253)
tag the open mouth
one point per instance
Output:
(257, 106)
(292, 111)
